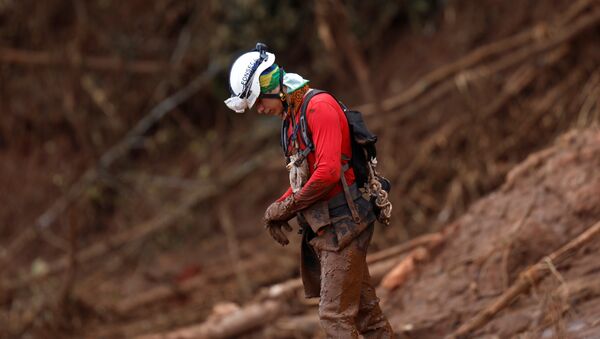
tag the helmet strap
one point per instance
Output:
(282, 93)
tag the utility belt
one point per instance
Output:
(318, 215)
(340, 198)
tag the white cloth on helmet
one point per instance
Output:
(293, 81)
(237, 104)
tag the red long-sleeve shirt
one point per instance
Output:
(331, 138)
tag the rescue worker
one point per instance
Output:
(334, 238)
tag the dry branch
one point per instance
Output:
(172, 290)
(562, 36)
(228, 326)
(111, 63)
(300, 326)
(224, 215)
(401, 272)
(222, 184)
(429, 241)
(122, 147)
(380, 263)
(443, 74)
(347, 41)
(159, 293)
(526, 279)
(486, 71)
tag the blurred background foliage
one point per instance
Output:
(112, 126)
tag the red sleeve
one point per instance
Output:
(324, 124)
(285, 195)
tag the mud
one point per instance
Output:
(545, 202)
(334, 268)
(348, 305)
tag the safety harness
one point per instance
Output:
(363, 161)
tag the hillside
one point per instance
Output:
(132, 200)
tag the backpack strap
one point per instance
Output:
(306, 135)
(307, 138)
(283, 139)
(304, 131)
(348, 194)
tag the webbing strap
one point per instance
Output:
(306, 136)
(349, 199)
(340, 198)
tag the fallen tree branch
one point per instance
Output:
(249, 317)
(441, 75)
(298, 326)
(587, 22)
(110, 63)
(397, 276)
(224, 183)
(224, 216)
(173, 290)
(388, 258)
(562, 35)
(428, 240)
(227, 326)
(131, 138)
(526, 279)
(275, 296)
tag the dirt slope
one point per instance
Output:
(159, 251)
(546, 201)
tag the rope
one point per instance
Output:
(381, 196)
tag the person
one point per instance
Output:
(336, 221)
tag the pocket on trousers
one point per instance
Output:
(317, 215)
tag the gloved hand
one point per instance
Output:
(274, 228)
(281, 210)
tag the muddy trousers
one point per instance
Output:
(348, 305)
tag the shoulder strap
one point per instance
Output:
(310, 146)
(306, 135)
(283, 137)
(304, 130)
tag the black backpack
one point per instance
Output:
(362, 141)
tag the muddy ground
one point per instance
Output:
(546, 201)
(154, 237)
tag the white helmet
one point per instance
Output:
(243, 79)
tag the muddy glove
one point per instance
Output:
(281, 210)
(275, 229)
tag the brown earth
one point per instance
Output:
(531, 247)
(546, 201)
(171, 227)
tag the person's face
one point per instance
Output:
(270, 106)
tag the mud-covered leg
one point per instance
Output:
(370, 321)
(341, 284)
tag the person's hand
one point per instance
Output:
(276, 232)
(280, 210)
